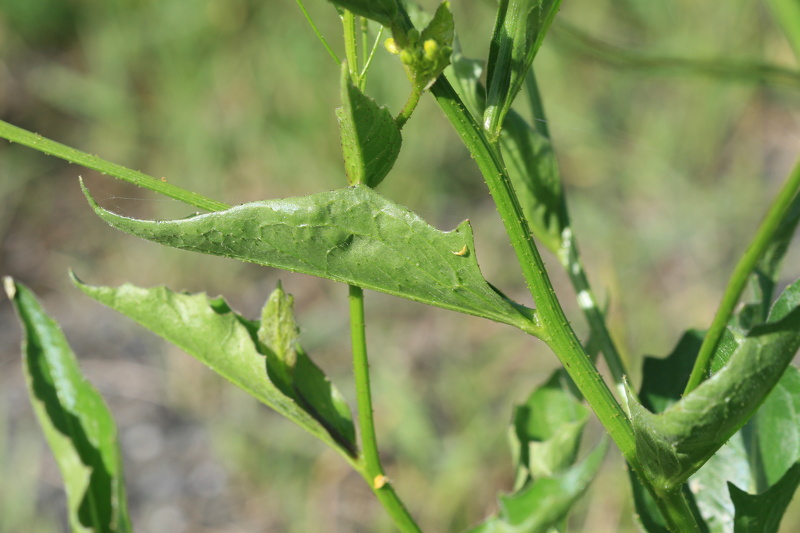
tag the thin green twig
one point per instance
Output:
(37, 142)
(372, 470)
(741, 275)
(319, 33)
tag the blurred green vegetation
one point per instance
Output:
(668, 171)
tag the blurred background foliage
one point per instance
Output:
(668, 170)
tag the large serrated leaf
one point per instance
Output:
(370, 136)
(519, 30)
(76, 422)
(545, 502)
(210, 331)
(674, 444)
(352, 235)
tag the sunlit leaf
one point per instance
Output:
(351, 235)
(370, 136)
(76, 422)
(229, 344)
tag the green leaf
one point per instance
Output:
(76, 422)
(534, 173)
(296, 375)
(465, 75)
(425, 55)
(382, 11)
(777, 428)
(674, 444)
(545, 502)
(370, 136)
(547, 430)
(519, 30)
(787, 15)
(762, 513)
(229, 344)
(352, 235)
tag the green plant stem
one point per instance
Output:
(408, 109)
(350, 45)
(318, 33)
(677, 512)
(558, 333)
(740, 277)
(37, 142)
(570, 259)
(372, 471)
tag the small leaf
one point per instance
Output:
(370, 136)
(76, 422)
(519, 30)
(547, 430)
(296, 375)
(674, 444)
(382, 11)
(208, 330)
(545, 502)
(762, 513)
(352, 235)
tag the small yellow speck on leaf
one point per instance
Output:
(462, 252)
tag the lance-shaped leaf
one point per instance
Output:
(229, 344)
(545, 502)
(672, 445)
(76, 422)
(519, 30)
(382, 11)
(351, 235)
(370, 136)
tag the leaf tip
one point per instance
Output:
(10, 287)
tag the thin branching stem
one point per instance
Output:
(318, 33)
(741, 275)
(161, 186)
